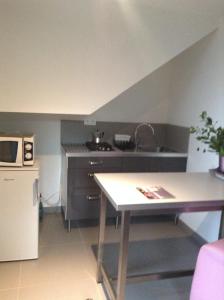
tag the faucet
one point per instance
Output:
(136, 133)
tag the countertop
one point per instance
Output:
(79, 150)
(191, 190)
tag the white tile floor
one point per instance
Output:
(66, 267)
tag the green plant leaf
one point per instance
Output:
(203, 115)
(209, 133)
(208, 121)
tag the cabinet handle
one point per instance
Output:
(35, 192)
(92, 197)
(95, 163)
(90, 175)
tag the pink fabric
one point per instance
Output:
(208, 280)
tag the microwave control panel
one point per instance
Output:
(28, 150)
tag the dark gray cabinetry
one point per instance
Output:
(167, 164)
(135, 164)
(83, 192)
(80, 193)
(154, 164)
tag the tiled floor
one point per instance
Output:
(66, 267)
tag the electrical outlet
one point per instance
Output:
(90, 122)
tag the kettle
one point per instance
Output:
(97, 136)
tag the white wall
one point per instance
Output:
(198, 85)
(72, 57)
(47, 134)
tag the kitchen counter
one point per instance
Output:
(79, 150)
(80, 193)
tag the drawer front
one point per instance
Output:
(94, 163)
(85, 204)
(168, 164)
(80, 178)
(135, 164)
(81, 207)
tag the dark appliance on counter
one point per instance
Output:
(102, 146)
(124, 145)
(124, 142)
(97, 136)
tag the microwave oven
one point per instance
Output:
(16, 150)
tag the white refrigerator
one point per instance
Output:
(19, 213)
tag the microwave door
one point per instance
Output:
(11, 152)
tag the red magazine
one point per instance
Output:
(155, 192)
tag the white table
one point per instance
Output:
(193, 192)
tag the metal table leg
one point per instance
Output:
(221, 227)
(176, 219)
(123, 255)
(69, 225)
(103, 204)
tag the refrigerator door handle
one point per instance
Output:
(35, 192)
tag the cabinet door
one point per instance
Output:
(94, 163)
(83, 192)
(168, 164)
(135, 164)
(85, 204)
(81, 178)
(18, 215)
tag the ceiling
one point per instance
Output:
(203, 7)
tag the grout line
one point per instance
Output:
(17, 294)
(19, 281)
(8, 289)
(74, 243)
(20, 275)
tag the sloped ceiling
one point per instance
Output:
(73, 57)
(145, 101)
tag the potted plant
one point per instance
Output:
(212, 135)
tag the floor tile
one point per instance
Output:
(69, 289)
(9, 275)
(66, 268)
(52, 231)
(155, 230)
(11, 294)
(89, 235)
(57, 262)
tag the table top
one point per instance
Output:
(192, 191)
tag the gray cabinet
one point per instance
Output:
(80, 192)
(135, 164)
(83, 204)
(154, 164)
(167, 164)
(83, 194)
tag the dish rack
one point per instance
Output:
(123, 142)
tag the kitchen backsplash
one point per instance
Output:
(175, 137)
